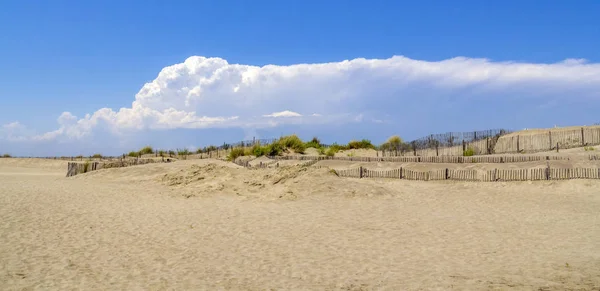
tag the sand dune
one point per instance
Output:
(212, 225)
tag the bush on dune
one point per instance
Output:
(292, 142)
(6, 156)
(363, 144)
(394, 143)
(313, 143)
(146, 150)
(235, 153)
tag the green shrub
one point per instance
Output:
(321, 151)
(171, 153)
(97, 156)
(162, 153)
(199, 151)
(313, 143)
(146, 150)
(394, 143)
(258, 151)
(273, 149)
(292, 142)
(235, 153)
(363, 144)
(183, 152)
(6, 156)
(469, 152)
(589, 148)
(86, 166)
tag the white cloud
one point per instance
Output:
(209, 92)
(285, 113)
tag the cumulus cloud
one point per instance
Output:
(285, 113)
(206, 92)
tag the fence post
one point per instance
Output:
(414, 145)
(518, 145)
(582, 137)
(547, 170)
(557, 147)
(437, 153)
(550, 138)
(360, 172)
(464, 146)
(447, 174)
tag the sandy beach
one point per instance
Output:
(211, 225)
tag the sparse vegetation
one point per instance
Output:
(97, 156)
(313, 143)
(133, 154)
(469, 152)
(146, 150)
(183, 153)
(292, 142)
(6, 156)
(235, 153)
(363, 144)
(162, 153)
(333, 149)
(394, 143)
(589, 148)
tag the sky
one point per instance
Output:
(85, 77)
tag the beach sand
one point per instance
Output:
(211, 225)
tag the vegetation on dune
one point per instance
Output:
(235, 153)
(146, 150)
(97, 156)
(133, 154)
(6, 156)
(313, 143)
(469, 152)
(362, 144)
(589, 148)
(292, 142)
(394, 143)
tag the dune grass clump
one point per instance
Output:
(133, 154)
(362, 144)
(146, 150)
(235, 153)
(6, 156)
(589, 148)
(394, 143)
(333, 149)
(469, 152)
(313, 143)
(292, 142)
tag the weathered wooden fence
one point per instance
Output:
(432, 159)
(547, 141)
(533, 174)
(75, 168)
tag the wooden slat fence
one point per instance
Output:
(431, 159)
(75, 168)
(500, 175)
(547, 141)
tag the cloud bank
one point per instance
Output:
(204, 93)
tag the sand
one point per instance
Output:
(211, 225)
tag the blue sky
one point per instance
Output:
(82, 56)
